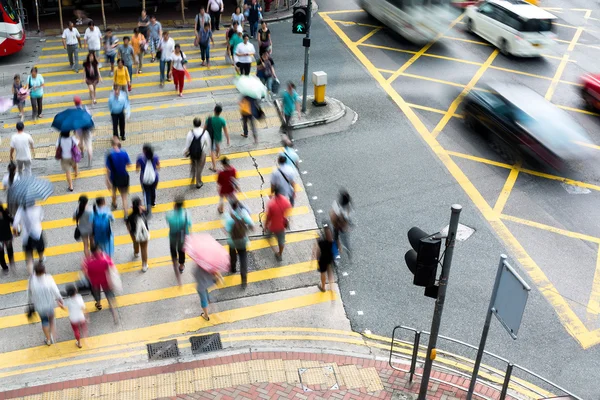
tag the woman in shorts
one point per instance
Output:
(44, 296)
(67, 143)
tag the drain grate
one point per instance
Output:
(163, 350)
(206, 343)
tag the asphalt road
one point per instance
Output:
(398, 182)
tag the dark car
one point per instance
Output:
(520, 123)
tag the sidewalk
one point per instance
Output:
(259, 375)
(315, 115)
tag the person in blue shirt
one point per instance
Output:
(118, 105)
(117, 177)
(289, 153)
(237, 223)
(291, 104)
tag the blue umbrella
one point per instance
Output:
(26, 191)
(72, 119)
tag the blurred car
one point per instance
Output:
(520, 122)
(467, 3)
(591, 90)
(514, 26)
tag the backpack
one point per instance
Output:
(149, 173)
(196, 147)
(102, 229)
(141, 231)
(238, 231)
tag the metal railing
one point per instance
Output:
(503, 378)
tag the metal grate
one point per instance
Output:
(206, 343)
(163, 350)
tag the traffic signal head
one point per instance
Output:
(300, 20)
(423, 259)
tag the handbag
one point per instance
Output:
(75, 152)
(114, 279)
(58, 152)
(77, 234)
(29, 311)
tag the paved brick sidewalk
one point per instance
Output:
(256, 375)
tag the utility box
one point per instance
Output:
(319, 79)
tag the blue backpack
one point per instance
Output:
(102, 230)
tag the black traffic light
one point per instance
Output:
(423, 259)
(300, 20)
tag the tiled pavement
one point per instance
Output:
(256, 375)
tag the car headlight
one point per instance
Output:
(17, 36)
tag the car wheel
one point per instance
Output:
(509, 155)
(469, 25)
(504, 49)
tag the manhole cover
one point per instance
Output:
(163, 350)
(206, 343)
(318, 379)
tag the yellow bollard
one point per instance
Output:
(319, 79)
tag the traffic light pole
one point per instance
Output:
(441, 298)
(306, 56)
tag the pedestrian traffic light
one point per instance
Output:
(300, 20)
(423, 259)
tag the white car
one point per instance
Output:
(514, 26)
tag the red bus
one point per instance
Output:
(12, 34)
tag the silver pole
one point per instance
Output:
(486, 329)
(306, 57)
(441, 298)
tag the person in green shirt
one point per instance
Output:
(233, 43)
(180, 224)
(216, 126)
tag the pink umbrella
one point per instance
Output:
(207, 253)
(6, 104)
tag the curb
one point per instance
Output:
(322, 121)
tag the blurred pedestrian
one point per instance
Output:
(93, 39)
(167, 47)
(254, 11)
(265, 70)
(237, 223)
(204, 281)
(102, 219)
(236, 39)
(126, 55)
(216, 126)
(83, 218)
(91, 75)
(118, 105)
(84, 135)
(21, 150)
(28, 221)
(245, 55)
(19, 95)
(341, 222)
(122, 79)
(248, 108)
(265, 44)
(43, 296)
(77, 313)
(178, 61)
(201, 18)
(6, 237)
(35, 85)
(197, 145)
(276, 221)
(323, 252)
(117, 177)
(71, 40)
(138, 43)
(155, 32)
(238, 17)
(180, 225)
(205, 39)
(284, 177)
(143, 22)
(7, 181)
(96, 269)
(147, 165)
(289, 153)
(137, 225)
(230, 33)
(226, 183)
(110, 49)
(69, 155)
(215, 8)
(291, 105)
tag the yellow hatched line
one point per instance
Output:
(431, 109)
(368, 35)
(357, 23)
(578, 110)
(507, 189)
(593, 306)
(375, 46)
(553, 229)
(468, 41)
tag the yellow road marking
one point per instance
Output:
(479, 159)
(357, 23)
(514, 71)
(568, 318)
(368, 35)
(591, 146)
(507, 189)
(565, 25)
(423, 50)
(51, 48)
(578, 44)
(454, 106)
(172, 33)
(556, 78)
(593, 306)
(578, 110)
(172, 292)
(431, 80)
(431, 109)
(375, 46)
(553, 229)
(156, 332)
(468, 41)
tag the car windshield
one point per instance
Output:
(536, 25)
(10, 10)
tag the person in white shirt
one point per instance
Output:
(215, 9)
(29, 221)
(167, 47)
(178, 61)
(284, 177)
(71, 40)
(21, 148)
(93, 40)
(245, 55)
(197, 146)
(44, 296)
(77, 313)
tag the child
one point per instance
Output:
(77, 315)
(19, 94)
(226, 181)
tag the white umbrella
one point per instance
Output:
(251, 86)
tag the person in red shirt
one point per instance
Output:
(95, 267)
(276, 222)
(227, 182)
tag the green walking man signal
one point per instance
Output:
(299, 24)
